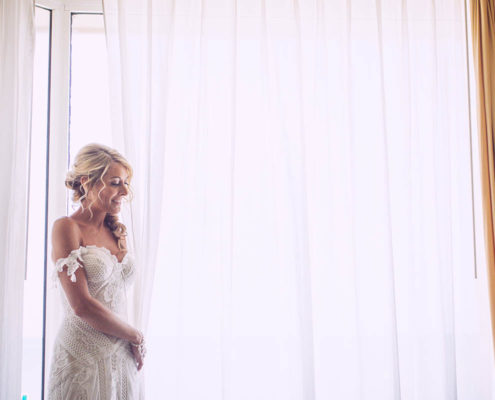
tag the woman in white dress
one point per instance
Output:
(97, 354)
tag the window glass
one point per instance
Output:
(89, 93)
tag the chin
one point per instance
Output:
(113, 209)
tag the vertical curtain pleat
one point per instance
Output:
(16, 77)
(388, 217)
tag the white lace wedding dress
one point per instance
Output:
(88, 364)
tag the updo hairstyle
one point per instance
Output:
(93, 161)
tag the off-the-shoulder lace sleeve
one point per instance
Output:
(73, 263)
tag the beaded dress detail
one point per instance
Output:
(88, 364)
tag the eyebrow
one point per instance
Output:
(117, 177)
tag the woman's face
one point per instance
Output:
(116, 188)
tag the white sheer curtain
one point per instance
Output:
(16, 77)
(303, 198)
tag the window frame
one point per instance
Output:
(58, 135)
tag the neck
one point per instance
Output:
(96, 220)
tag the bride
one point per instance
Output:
(97, 354)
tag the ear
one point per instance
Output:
(83, 180)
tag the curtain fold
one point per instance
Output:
(483, 36)
(304, 214)
(16, 75)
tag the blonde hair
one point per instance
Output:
(93, 161)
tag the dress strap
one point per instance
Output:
(73, 263)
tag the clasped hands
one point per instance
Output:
(139, 352)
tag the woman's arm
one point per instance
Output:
(65, 238)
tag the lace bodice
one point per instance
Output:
(107, 277)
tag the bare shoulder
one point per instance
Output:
(66, 236)
(65, 226)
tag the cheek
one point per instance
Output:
(111, 195)
(105, 197)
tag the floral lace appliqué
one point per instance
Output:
(73, 263)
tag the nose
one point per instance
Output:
(124, 190)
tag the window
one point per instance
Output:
(89, 98)
(70, 108)
(71, 48)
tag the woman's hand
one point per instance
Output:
(138, 350)
(138, 357)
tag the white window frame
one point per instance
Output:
(58, 118)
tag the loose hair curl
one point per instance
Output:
(93, 161)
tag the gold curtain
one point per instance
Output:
(483, 29)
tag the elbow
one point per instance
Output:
(82, 309)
